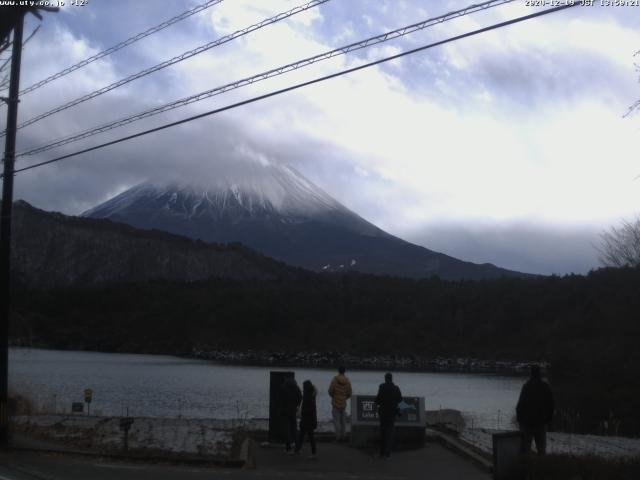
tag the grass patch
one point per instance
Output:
(20, 405)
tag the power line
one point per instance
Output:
(174, 60)
(266, 75)
(4, 83)
(121, 45)
(303, 84)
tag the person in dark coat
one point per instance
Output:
(388, 398)
(308, 417)
(291, 398)
(535, 411)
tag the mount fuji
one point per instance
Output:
(280, 213)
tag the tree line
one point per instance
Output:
(586, 326)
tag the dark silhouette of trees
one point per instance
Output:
(586, 326)
(620, 246)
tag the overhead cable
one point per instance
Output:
(174, 60)
(300, 85)
(4, 83)
(121, 45)
(266, 75)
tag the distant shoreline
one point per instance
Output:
(331, 360)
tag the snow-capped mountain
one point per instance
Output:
(280, 213)
(277, 195)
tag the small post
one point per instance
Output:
(88, 393)
(125, 425)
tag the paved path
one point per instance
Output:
(334, 461)
(341, 461)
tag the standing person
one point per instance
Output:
(308, 417)
(291, 398)
(535, 411)
(388, 398)
(340, 392)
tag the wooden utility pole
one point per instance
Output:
(12, 19)
(5, 227)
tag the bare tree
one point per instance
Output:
(636, 104)
(620, 246)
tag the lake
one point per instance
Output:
(166, 386)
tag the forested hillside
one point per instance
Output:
(586, 326)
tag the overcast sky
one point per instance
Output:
(508, 147)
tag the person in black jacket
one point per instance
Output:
(291, 398)
(388, 398)
(535, 411)
(308, 417)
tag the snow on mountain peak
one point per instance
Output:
(268, 191)
(272, 187)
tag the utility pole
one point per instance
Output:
(5, 227)
(13, 18)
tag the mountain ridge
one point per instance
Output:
(283, 215)
(52, 250)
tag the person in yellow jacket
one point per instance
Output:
(340, 392)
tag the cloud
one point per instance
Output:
(541, 64)
(521, 246)
(519, 128)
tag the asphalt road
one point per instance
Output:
(334, 462)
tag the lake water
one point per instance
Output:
(165, 386)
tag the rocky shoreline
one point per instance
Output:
(330, 360)
(371, 362)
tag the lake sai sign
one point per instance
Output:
(364, 411)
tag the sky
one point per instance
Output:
(510, 147)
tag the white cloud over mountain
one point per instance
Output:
(517, 130)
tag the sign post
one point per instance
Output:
(88, 393)
(276, 416)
